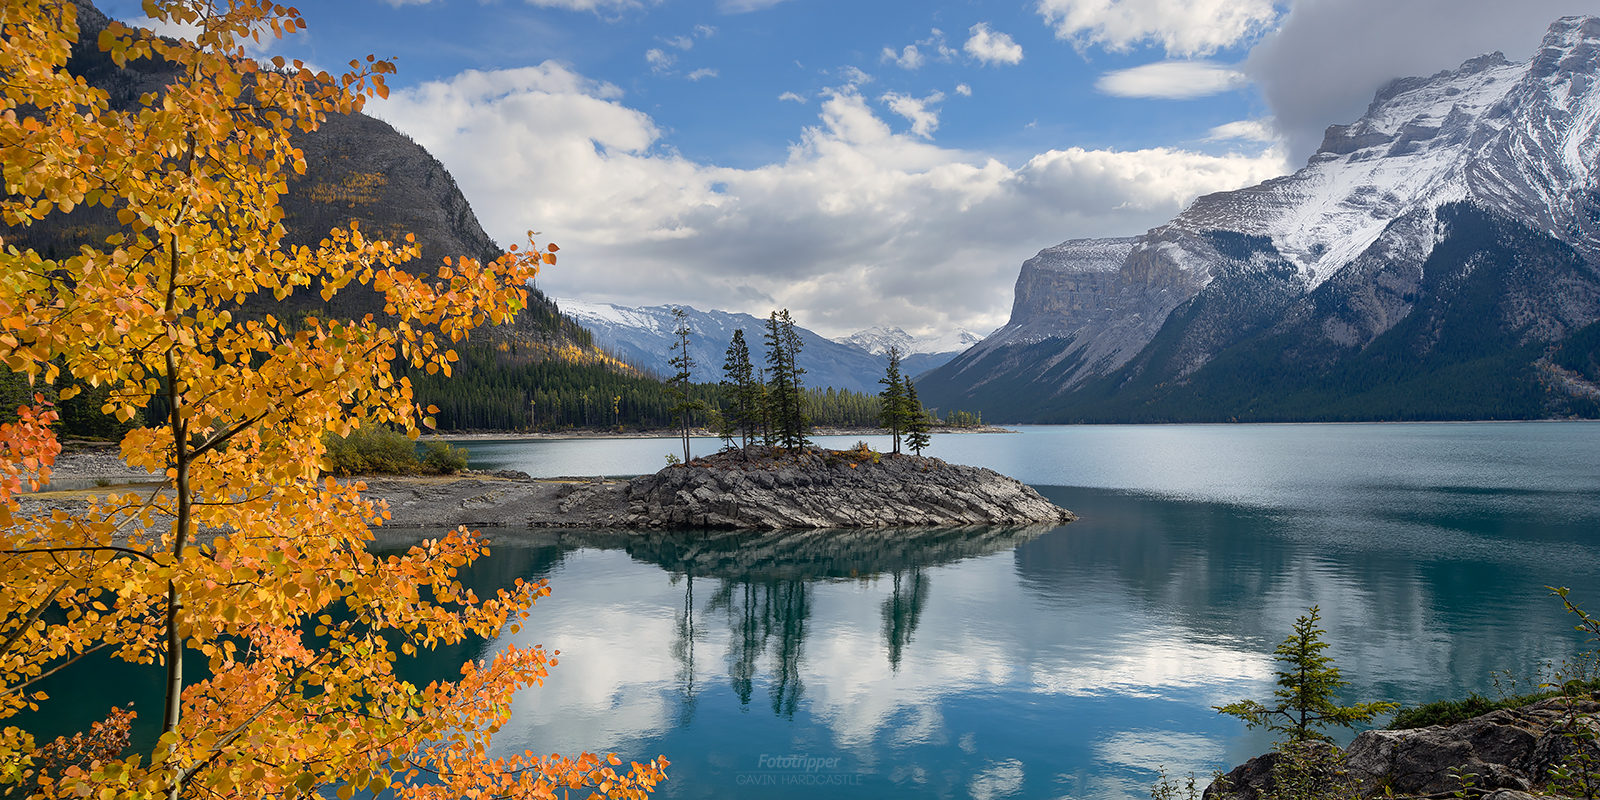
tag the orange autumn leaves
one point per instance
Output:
(245, 554)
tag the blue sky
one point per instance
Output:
(879, 162)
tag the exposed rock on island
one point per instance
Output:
(759, 489)
(769, 490)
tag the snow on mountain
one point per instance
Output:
(877, 341)
(644, 337)
(1343, 240)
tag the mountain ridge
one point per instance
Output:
(1327, 261)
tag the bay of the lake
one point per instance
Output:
(1057, 662)
(1050, 662)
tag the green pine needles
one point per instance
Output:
(1303, 704)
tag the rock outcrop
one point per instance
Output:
(831, 489)
(1508, 751)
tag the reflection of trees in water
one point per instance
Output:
(902, 609)
(762, 615)
(764, 581)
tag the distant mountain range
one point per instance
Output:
(1437, 259)
(918, 354)
(643, 337)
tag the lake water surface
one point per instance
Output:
(1055, 662)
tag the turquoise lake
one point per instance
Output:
(1065, 662)
(1047, 662)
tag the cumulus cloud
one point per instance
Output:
(659, 60)
(703, 72)
(924, 120)
(992, 47)
(857, 225)
(705, 31)
(913, 56)
(792, 96)
(855, 77)
(963, 90)
(1250, 130)
(1184, 27)
(1325, 62)
(909, 58)
(680, 42)
(1173, 80)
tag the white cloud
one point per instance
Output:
(913, 56)
(1183, 27)
(1324, 63)
(571, 5)
(660, 60)
(703, 72)
(1250, 130)
(858, 225)
(991, 47)
(1173, 80)
(705, 31)
(792, 96)
(963, 90)
(680, 42)
(924, 120)
(744, 6)
(910, 58)
(855, 77)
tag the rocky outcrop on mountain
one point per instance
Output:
(1511, 750)
(1289, 299)
(357, 169)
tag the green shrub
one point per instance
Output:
(442, 459)
(371, 450)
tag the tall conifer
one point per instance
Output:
(893, 415)
(918, 425)
(678, 384)
(788, 412)
(738, 377)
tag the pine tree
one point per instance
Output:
(1306, 691)
(739, 382)
(789, 421)
(678, 384)
(919, 425)
(893, 414)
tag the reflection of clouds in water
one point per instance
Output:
(1001, 780)
(1136, 757)
(1149, 750)
(1148, 663)
(616, 681)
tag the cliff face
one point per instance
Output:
(1312, 271)
(357, 168)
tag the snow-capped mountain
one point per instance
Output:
(918, 353)
(877, 341)
(644, 337)
(1383, 224)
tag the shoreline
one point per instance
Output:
(694, 433)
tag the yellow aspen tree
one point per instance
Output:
(244, 554)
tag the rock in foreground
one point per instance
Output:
(1507, 752)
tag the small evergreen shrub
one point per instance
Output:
(440, 458)
(371, 450)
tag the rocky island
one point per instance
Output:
(754, 489)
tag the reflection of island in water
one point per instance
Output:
(761, 585)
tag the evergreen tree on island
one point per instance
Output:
(919, 425)
(739, 379)
(678, 384)
(789, 423)
(894, 415)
